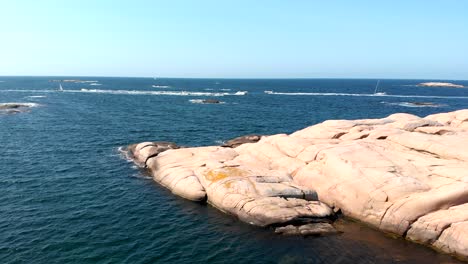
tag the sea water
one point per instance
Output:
(68, 196)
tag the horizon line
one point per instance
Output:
(236, 78)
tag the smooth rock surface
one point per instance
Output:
(402, 174)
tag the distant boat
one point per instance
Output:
(60, 87)
(377, 88)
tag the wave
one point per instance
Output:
(133, 92)
(175, 93)
(219, 142)
(196, 101)
(160, 86)
(29, 91)
(366, 95)
(36, 96)
(95, 84)
(415, 104)
(225, 89)
(75, 81)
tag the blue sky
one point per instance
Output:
(295, 39)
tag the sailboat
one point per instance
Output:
(60, 87)
(376, 89)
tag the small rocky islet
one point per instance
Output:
(402, 174)
(15, 108)
(440, 84)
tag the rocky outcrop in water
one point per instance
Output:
(211, 101)
(440, 84)
(259, 196)
(14, 108)
(401, 174)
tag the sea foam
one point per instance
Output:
(36, 96)
(364, 95)
(174, 93)
(133, 92)
(414, 104)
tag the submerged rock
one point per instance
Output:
(402, 174)
(316, 229)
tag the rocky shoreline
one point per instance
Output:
(401, 174)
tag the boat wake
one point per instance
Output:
(134, 92)
(366, 95)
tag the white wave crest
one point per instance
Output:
(79, 81)
(415, 104)
(365, 95)
(160, 86)
(95, 84)
(134, 92)
(196, 101)
(36, 96)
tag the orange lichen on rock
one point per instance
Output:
(216, 175)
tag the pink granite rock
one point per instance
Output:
(402, 174)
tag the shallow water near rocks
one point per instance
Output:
(68, 196)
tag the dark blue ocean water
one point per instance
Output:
(67, 196)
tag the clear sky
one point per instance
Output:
(242, 38)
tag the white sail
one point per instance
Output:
(377, 88)
(60, 88)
